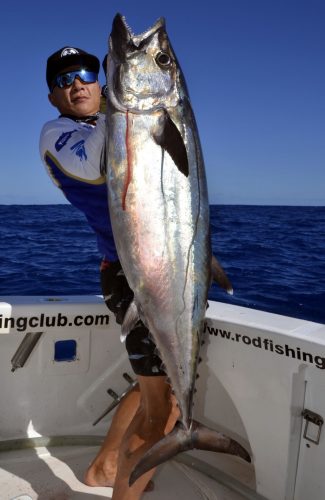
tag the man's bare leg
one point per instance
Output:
(102, 470)
(155, 417)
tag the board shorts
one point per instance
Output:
(140, 347)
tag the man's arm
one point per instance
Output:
(73, 148)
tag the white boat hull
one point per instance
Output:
(259, 372)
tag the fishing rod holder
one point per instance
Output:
(24, 350)
(117, 397)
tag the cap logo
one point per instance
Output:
(69, 51)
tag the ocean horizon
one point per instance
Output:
(274, 255)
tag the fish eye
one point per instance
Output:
(163, 59)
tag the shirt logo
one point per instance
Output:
(79, 149)
(63, 139)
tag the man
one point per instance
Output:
(71, 148)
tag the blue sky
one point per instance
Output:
(256, 76)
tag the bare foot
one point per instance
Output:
(102, 471)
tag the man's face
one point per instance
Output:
(80, 99)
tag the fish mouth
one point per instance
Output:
(122, 33)
(123, 41)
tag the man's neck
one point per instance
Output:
(91, 119)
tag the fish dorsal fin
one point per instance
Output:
(220, 277)
(170, 139)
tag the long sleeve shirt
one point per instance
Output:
(71, 152)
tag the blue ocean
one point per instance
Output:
(274, 256)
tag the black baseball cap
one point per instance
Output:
(69, 56)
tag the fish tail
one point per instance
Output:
(180, 439)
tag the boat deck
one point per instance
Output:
(55, 473)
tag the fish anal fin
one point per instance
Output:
(220, 277)
(197, 436)
(171, 140)
(130, 320)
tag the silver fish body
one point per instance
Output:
(158, 200)
(159, 210)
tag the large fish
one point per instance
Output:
(160, 217)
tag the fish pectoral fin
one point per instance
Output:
(130, 320)
(197, 437)
(220, 277)
(171, 140)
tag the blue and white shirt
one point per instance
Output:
(71, 152)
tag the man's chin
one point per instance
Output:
(82, 108)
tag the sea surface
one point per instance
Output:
(274, 256)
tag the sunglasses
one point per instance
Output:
(64, 80)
